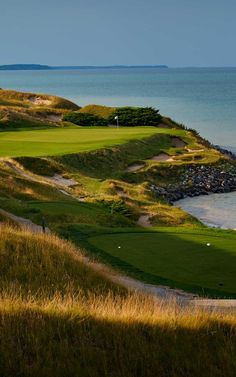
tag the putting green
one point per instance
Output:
(59, 141)
(184, 258)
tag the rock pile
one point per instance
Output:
(199, 180)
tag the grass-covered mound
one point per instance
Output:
(99, 110)
(26, 110)
(13, 98)
(59, 317)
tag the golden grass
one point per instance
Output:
(27, 100)
(102, 111)
(60, 316)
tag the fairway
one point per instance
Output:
(59, 141)
(180, 258)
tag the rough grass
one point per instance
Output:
(23, 99)
(59, 317)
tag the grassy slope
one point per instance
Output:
(12, 98)
(25, 110)
(102, 111)
(59, 317)
(101, 175)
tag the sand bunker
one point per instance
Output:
(177, 142)
(54, 117)
(162, 157)
(58, 179)
(40, 101)
(135, 167)
(144, 220)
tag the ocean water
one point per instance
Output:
(216, 210)
(200, 98)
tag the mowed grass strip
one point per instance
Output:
(71, 140)
(188, 259)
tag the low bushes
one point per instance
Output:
(136, 116)
(128, 116)
(85, 119)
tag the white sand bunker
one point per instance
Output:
(177, 142)
(162, 157)
(135, 167)
(39, 101)
(144, 220)
(58, 179)
(54, 117)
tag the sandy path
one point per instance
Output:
(56, 180)
(24, 223)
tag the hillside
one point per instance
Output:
(62, 317)
(105, 195)
(90, 181)
(25, 110)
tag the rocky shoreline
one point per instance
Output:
(199, 180)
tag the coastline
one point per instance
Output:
(211, 197)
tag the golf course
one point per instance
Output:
(95, 256)
(91, 184)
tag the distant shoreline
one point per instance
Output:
(39, 67)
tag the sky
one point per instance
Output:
(178, 33)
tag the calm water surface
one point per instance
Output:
(204, 99)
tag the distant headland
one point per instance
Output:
(24, 67)
(39, 67)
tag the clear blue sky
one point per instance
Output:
(104, 32)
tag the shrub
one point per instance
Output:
(136, 116)
(84, 119)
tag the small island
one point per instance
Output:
(40, 67)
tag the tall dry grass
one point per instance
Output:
(62, 317)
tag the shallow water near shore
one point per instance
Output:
(215, 210)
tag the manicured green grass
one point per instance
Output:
(71, 140)
(178, 258)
